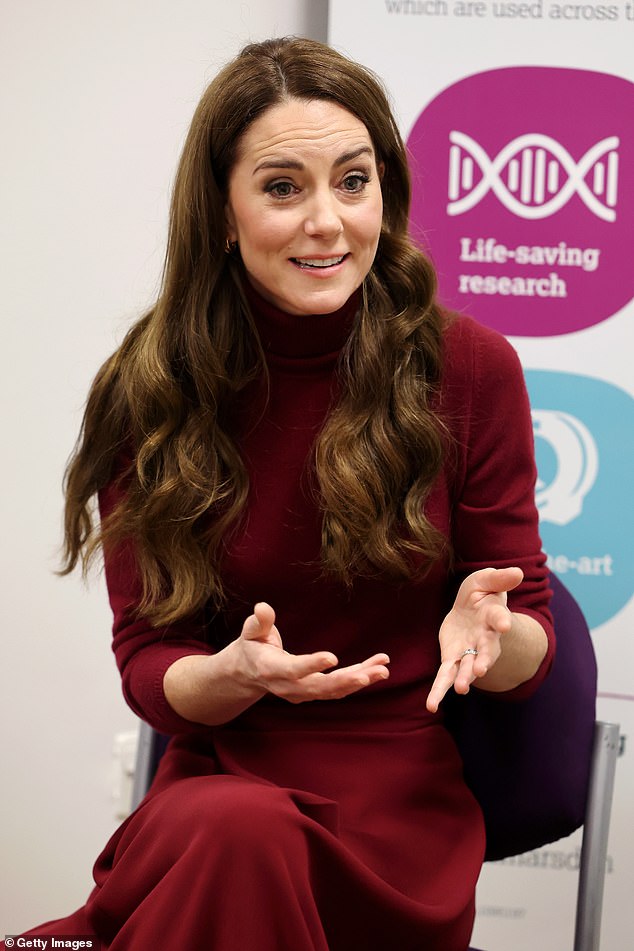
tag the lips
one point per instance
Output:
(319, 262)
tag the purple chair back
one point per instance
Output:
(528, 762)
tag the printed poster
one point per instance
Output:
(519, 121)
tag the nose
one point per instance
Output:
(323, 218)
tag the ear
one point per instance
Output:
(232, 232)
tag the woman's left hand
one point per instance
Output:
(478, 621)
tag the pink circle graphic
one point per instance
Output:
(523, 194)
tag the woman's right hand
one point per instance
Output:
(298, 677)
(215, 688)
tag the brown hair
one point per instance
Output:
(162, 401)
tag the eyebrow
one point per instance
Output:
(299, 166)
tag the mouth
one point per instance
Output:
(319, 263)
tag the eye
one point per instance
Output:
(280, 189)
(355, 182)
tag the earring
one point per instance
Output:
(230, 246)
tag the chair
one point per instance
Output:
(150, 747)
(596, 820)
(528, 763)
(594, 845)
(539, 771)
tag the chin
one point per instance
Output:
(318, 301)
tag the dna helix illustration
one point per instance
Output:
(541, 176)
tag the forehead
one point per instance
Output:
(314, 127)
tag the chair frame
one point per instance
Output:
(596, 827)
(150, 746)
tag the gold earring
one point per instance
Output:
(230, 246)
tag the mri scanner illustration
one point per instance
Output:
(560, 500)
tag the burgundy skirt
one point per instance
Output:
(293, 840)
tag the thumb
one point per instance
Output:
(504, 579)
(492, 580)
(258, 624)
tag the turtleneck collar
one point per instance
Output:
(299, 335)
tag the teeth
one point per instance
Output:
(319, 262)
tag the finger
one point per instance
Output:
(379, 660)
(498, 619)
(342, 683)
(459, 674)
(352, 677)
(259, 623)
(335, 684)
(497, 580)
(444, 680)
(346, 680)
(283, 673)
(465, 672)
(296, 667)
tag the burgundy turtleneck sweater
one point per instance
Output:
(391, 841)
(485, 503)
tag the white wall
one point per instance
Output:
(95, 100)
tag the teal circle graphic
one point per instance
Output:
(584, 429)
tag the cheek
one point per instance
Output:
(369, 226)
(267, 233)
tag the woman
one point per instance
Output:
(296, 425)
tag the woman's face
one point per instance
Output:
(305, 205)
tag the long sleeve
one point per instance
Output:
(494, 517)
(143, 652)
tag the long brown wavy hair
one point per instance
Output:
(158, 413)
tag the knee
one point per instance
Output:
(217, 809)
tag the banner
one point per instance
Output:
(519, 121)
